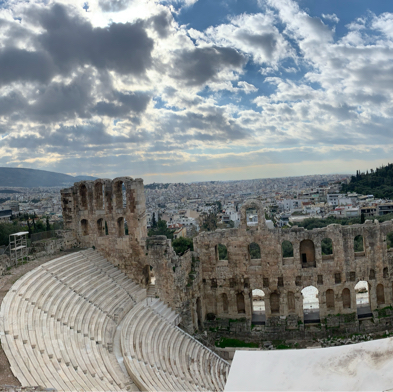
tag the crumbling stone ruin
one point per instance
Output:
(203, 287)
(111, 216)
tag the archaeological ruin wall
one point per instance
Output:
(225, 287)
(223, 276)
(109, 215)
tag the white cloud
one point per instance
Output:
(332, 17)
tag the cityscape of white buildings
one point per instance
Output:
(185, 205)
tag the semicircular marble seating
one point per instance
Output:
(77, 323)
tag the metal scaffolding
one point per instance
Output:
(18, 246)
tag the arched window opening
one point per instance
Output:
(330, 299)
(254, 251)
(291, 301)
(252, 216)
(225, 303)
(310, 305)
(83, 195)
(358, 244)
(327, 248)
(386, 273)
(120, 227)
(100, 227)
(85, 227)
(241, 308)
(258, 307)
(125, 228)
(389, 241)
(380, 294)
(99, 196)
(307, 254)
(346, 296)
(199, 311)
(274, 303)
(221, 252)
(287, 249)
(362, 292)
(372, 274)
(119, 194)
(106, 229)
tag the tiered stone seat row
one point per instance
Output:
(58, 323)
(161, 357)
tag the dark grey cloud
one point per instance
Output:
(66, 139)
(161, 23)
(123, 105)
(210, 126)
(72, 41)
(114, 5)
(200, 65)
(22, 65)
(267, 42)
(60, 101)
(11, 103)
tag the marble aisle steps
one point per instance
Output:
(159, 356)
(58, 321)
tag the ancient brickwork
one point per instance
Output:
(226, 285)
(99, 214)
(200, 286)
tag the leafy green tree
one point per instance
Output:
(153, 221)
(358, 244)
(9, 228)
(47, 224)
(182, 244)
(222, 252)
(327, 246)
(255, 251)
(210, 222)
(287, 249)
(161, 229)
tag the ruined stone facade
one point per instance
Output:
(227, 284)
(199, 285)
(111, 216)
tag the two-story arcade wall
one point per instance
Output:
(111, 216)
(226, 286)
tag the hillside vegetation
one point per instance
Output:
(30, 178)
(378, 182)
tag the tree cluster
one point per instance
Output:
(378, 182)
(161, 229)
(25, 222)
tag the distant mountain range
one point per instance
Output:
(30, 178)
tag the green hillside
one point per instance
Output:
(378, 182)
(29, 178)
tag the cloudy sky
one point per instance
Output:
(191, 90)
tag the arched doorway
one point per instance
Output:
(307, 254)
(310, 305)
(380, 294)
(274, 303)
(241, 307)
(258, 307)
(362, 291)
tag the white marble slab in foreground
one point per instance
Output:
(364, 366)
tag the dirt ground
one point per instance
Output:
(6, 281)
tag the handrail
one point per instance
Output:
(207, 348)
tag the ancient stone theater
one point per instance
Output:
(121, 313)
